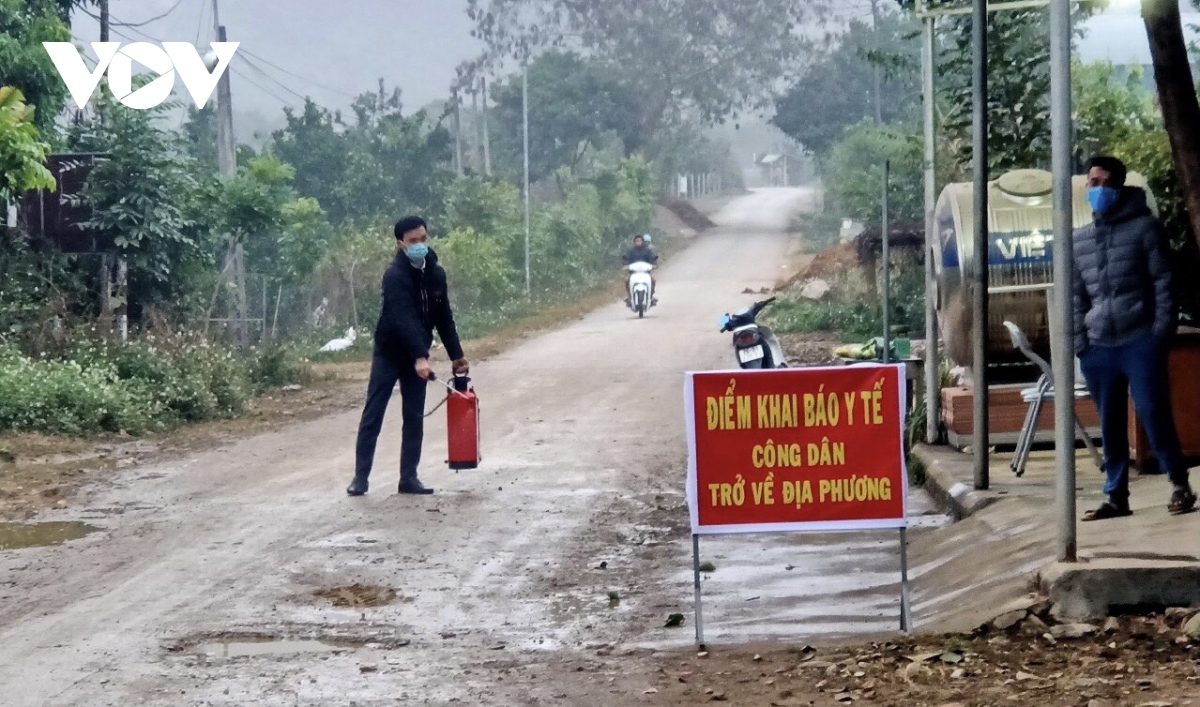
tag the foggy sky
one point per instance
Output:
(340, 47)
(343, 47)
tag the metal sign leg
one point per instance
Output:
(696, 573)
(906, 623)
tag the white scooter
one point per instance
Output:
(641, 288)
(754, 344)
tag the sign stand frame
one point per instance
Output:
(906, 620)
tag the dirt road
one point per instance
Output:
(512, 584)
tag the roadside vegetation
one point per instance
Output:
(836, 111)
(311, 207)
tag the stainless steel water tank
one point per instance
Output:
(1021, 239)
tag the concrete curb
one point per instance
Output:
(946, 475)
(1092, 590)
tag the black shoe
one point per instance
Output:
(415, 487)
(357, 487)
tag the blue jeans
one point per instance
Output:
(384, 374)
(1112, 373)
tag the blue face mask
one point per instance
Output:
(417, 252)
(1103, 199)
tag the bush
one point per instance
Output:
(66, 397)
(148, 384)
(853, 317)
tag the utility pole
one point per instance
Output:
(476, 131)
(932, 379)
(525, 123)
(979, 294)
(487, 138)
(878, 70)
(122, 273)
(1061, 347)
(227, 164)
(458, 150)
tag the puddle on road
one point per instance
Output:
(246, 648)
(15, 536)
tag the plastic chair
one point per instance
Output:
(1036, 397)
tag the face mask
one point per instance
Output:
(1102, 199)
(417, 252)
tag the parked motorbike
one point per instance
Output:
(641, 288)
(754, 344)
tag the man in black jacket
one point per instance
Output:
(415, 302)
(1124, 320)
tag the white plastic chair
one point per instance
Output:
(1036, 397)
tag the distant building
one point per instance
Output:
(780, 169)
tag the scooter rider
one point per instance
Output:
(641, 252)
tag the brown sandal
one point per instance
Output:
(1107, 510)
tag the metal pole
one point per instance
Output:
(696, 573)
(525, 123)
(487, 137)
(932, 364)
(458, 149)
(878, 70)
(979, 295)
(476, 132)
(885, 298)
(1062, 349)
(906, 623)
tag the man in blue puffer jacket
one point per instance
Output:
(1124, 320)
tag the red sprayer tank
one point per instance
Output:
(462, 426)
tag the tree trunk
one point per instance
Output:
(1177, 98)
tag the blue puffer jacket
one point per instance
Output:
(1122, 289)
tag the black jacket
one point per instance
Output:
(640, 255)
(1122, 288)
(415, 302)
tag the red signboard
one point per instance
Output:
(796, 449)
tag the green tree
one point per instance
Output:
(395, 164)
(702, 59)
(284, 236)
(854, 173)
(838, 90)
(574, 106)
(310, 143)
(24, 63)
(145, 196)
(22, 154)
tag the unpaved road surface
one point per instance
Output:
(538, 579)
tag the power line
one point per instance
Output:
(259, 86)
(152, 19)
(273, 80)
(249, 53)
(245, 56)
(200, 24)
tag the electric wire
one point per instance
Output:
(251, 54)
(259, 86)
(200, 24)
(277, 82)
(113, 22)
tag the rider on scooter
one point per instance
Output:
(641, 252)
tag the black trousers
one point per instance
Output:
(384, 374)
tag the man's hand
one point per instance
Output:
(424, 370)
(461, 367)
